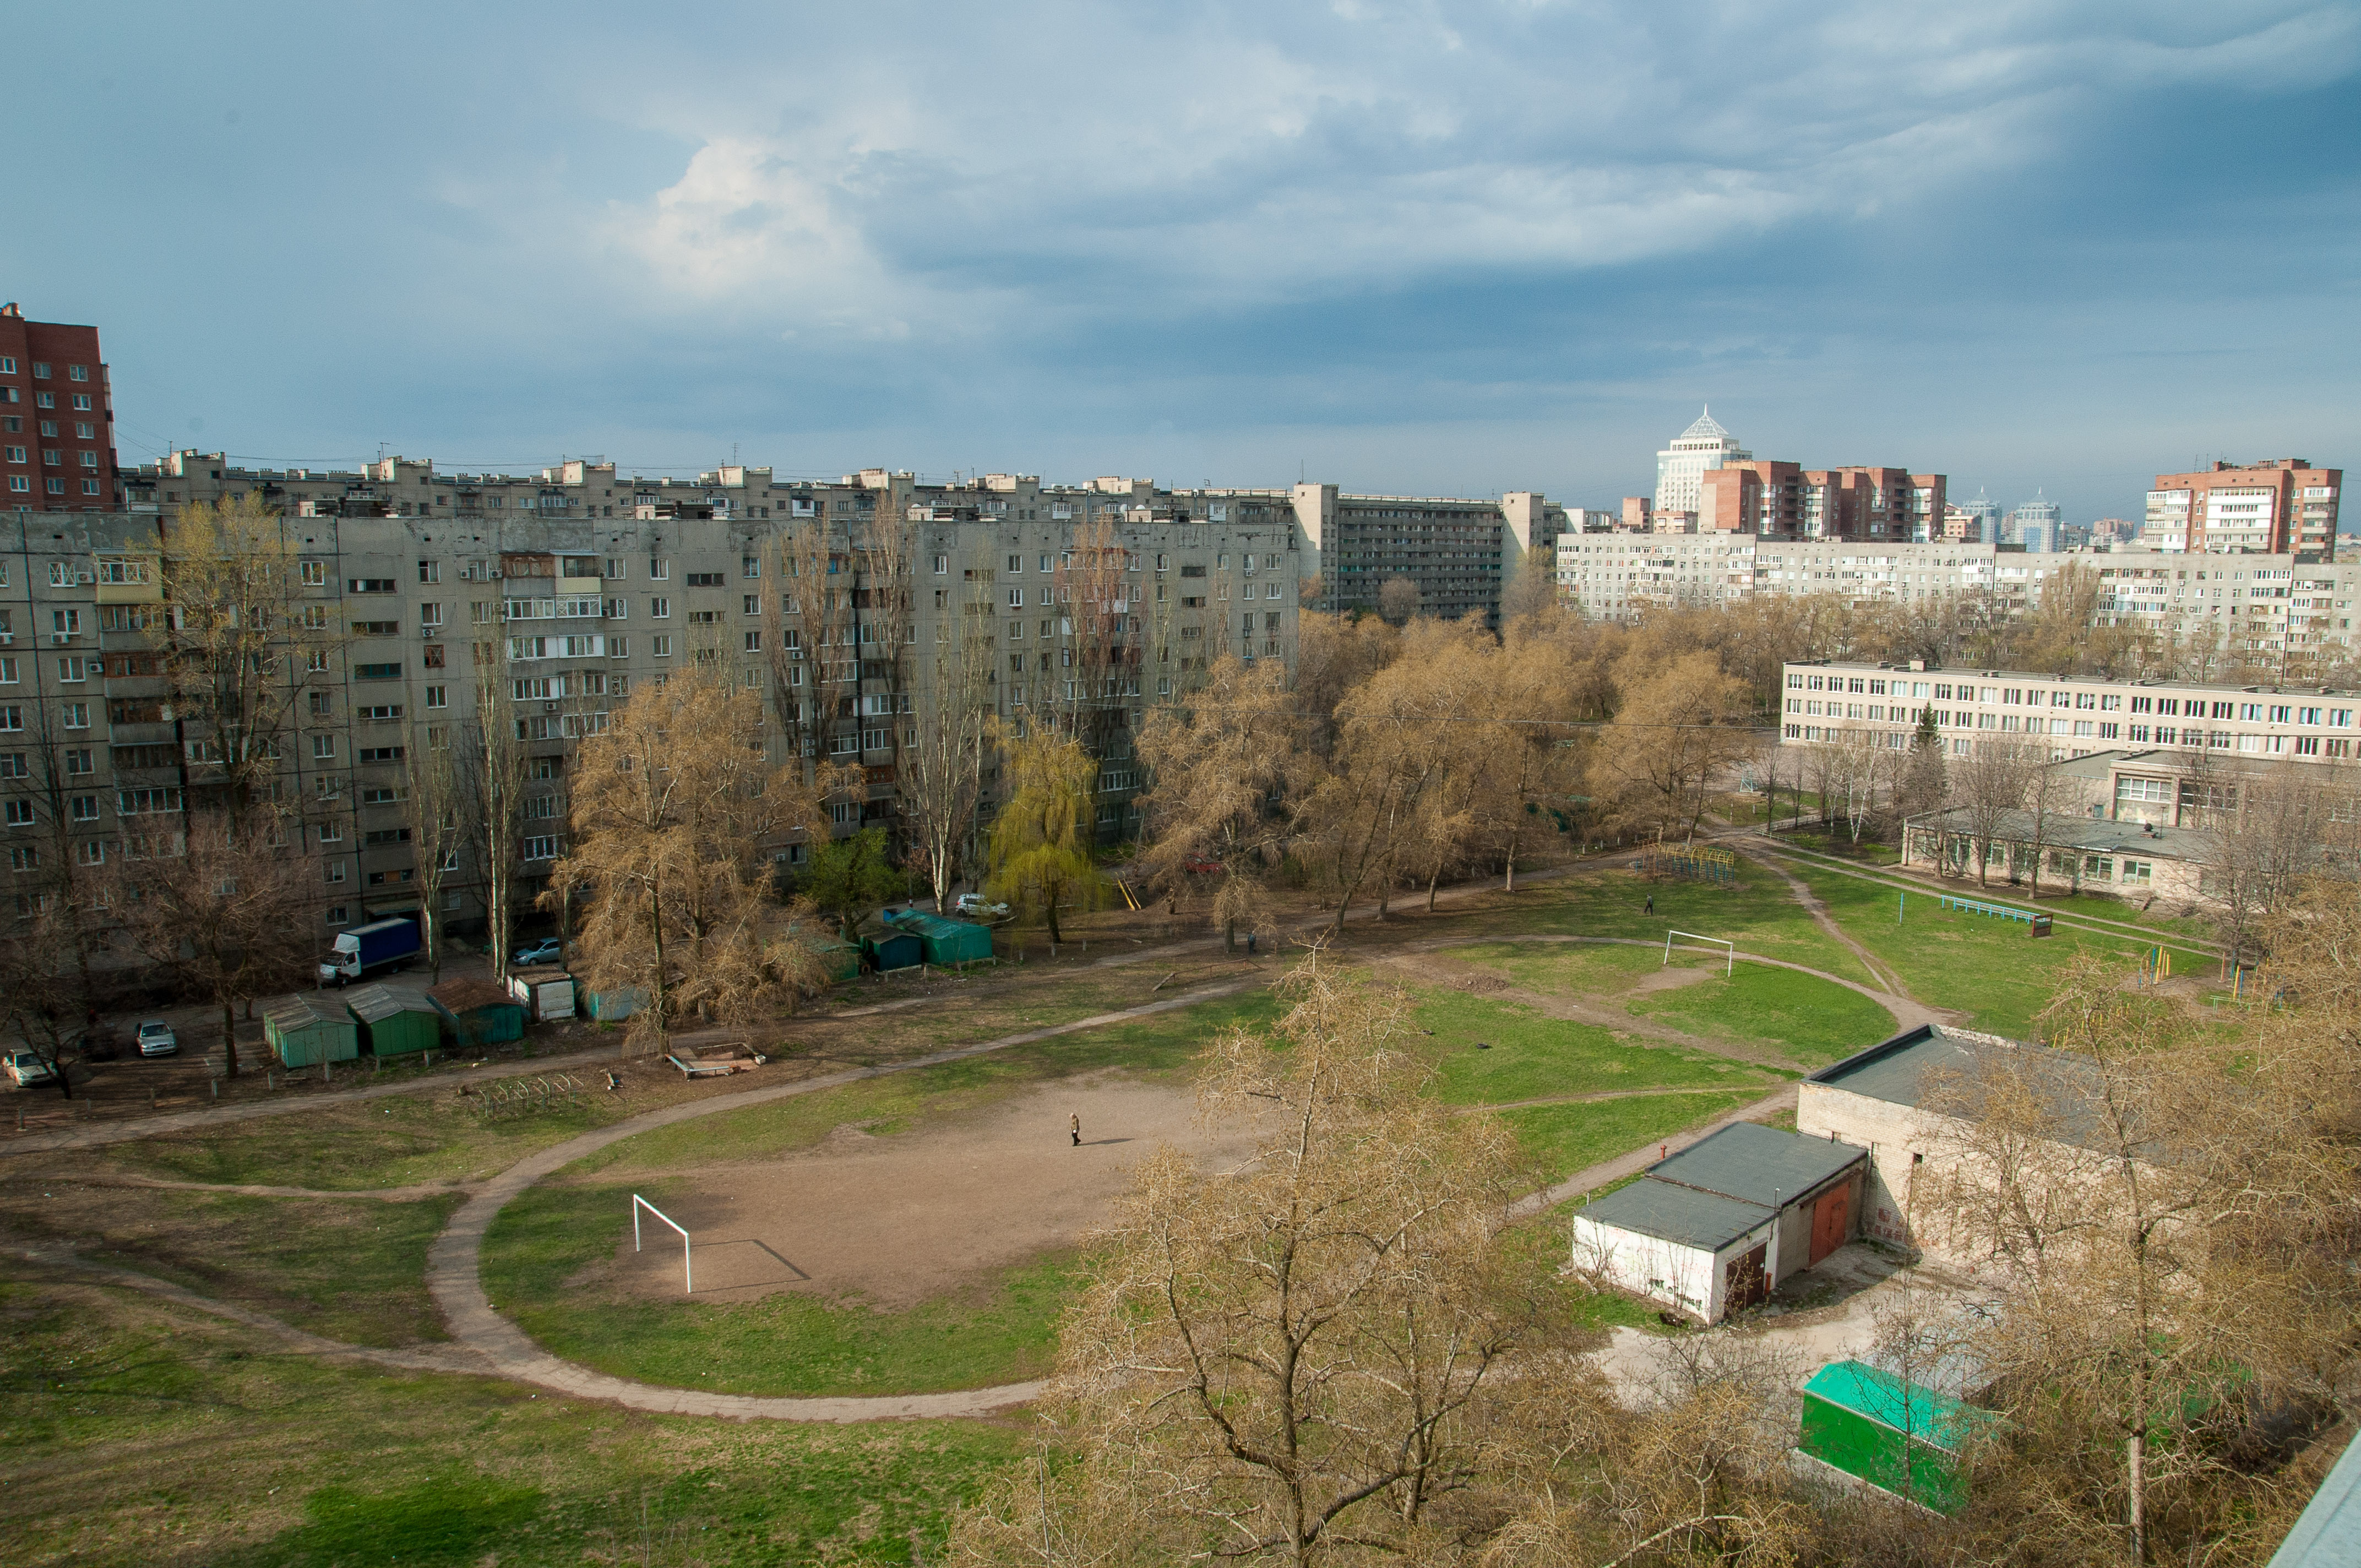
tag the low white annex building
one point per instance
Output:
(1717, 1226)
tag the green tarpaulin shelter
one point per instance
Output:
(944, 940)
(1899, 1437)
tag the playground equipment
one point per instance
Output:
(2038, 921)
(1690, 862)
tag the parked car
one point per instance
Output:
(974, 903)
(27, 1068)
(548, 951)
(157, 1039)
(1201, 865)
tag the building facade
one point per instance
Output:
(2035, 525)
(550, 597)
(2282, 506)
(1696, 452)
(1459, 552)
(57, 417)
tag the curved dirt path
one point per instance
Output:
(256, 1189)
(454, 1278)
(421, 1358)
(1818, 911)
(1908, 1012)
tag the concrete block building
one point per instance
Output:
(1715, 1228)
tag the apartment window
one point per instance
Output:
(749, 566)
(753, 605)
(1017, 598)
(40, 369)
(540, 847)
(391, 672)
(378, 712)
(659, 609)
(19, 814)
(659, 569)
(753, 641)
(369, 585)
(430, 571)
(79, 761)
(379, 754)
(942, 565)
(77, 715)
(77, 372)
(705, 579)
(324, 747)
(660, 647)
(334, 872)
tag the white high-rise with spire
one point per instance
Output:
(1680, 466)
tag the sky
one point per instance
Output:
(1410, 248)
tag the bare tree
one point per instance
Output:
(219, 908)
(674, 815)
(1398, 599)
(492, 781)
(2262, 847)
(1676, 732)
(240, 642)
(1299, 1360)
(1990, 786)
(434, 811)
(43, 998)
(940, 776)
(1228, 769)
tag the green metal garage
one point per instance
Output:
(306, 1030)
(394, 1019)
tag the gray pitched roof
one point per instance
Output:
(1757, 1164)
(1681, 1214)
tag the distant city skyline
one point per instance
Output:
(1405, 250)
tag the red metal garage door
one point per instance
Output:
(1832, 1221)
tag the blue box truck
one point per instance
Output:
(381, 944)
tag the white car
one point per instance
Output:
(157, 1039)
(27, 1068)
(974, 903)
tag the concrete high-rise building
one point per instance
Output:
(57, 417)
(2271, 507)
(2035, 524)
(1972, 522)
(1697, 451)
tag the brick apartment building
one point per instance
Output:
(2277, 506)
(57, 417)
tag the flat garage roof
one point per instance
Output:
(1705, 1220)
(1757, 1164)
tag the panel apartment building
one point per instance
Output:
(1459, 553)
(1092, 602)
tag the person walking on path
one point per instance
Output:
(1074, 1125)
(1652, 903)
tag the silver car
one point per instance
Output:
(157, 1039)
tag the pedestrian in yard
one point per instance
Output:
(1652, 903)
(1074, 1125)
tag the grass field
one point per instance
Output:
(1807, 1018)
(138, 1435)
(1563, 1139)
(1989, 968)
(1759, 914)
(1562, 968)
(1527, 1055)
(350, 1269)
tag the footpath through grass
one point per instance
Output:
(1989, 968)
(139, 1434)
(1759, 912)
